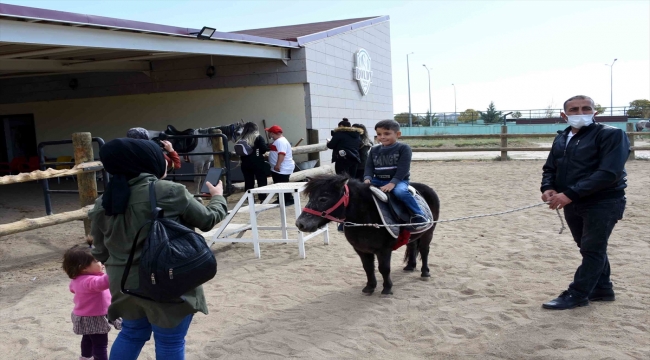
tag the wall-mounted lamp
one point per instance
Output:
(73, 84)
(210, 72)
(205, 33)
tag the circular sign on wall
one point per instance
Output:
(363, 71)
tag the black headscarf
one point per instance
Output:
(125, 159)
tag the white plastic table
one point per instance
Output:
(226, 231)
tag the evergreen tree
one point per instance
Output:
(491, 116)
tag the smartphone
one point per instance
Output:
(213, 176)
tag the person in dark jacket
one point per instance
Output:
(366, 144)
(585, 175)
(345, 143)
(115, 219)
(253, 165)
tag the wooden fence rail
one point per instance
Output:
(92, 166)
(51, 173)
(504, 136)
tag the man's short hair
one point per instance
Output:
(388, 124)
(578, 97)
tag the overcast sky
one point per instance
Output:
(519, 54)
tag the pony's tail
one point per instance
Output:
(410, 249)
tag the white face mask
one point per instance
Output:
(578, 121)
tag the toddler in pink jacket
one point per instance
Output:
(91, 299)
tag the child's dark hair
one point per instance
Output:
(76, 259)
(388, 125)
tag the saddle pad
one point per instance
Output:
(387, 216)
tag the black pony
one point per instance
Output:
(327, 196)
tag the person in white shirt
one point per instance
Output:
(281, 159)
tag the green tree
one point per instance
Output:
(491, 116)
(403, 118)
(639, 109)
(428, 119)
(516, 114)
(469, 115)
(601, 109)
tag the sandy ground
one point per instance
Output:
(516, 155)
(483, 301)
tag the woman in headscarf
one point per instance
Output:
(253, 165)
(116, 218)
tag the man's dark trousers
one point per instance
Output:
(591, 223)
(282, 178)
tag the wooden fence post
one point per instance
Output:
(629, 127)
(219, 159)
(504, 142)
(87, 182)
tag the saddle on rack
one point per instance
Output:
(393, 211)
(180, 145)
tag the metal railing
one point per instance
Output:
(453, 118)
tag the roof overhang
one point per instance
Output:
(45, 41)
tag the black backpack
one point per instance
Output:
(174, 259)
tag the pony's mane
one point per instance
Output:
(320, 181)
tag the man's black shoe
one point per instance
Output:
(602, 295)
(565, 301)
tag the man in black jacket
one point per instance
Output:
(585, 175)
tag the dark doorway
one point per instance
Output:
(17, 136)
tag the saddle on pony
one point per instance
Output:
(393, 211)
(181, 145)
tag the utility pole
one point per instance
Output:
(611, 89)
(408, 78)
(430, 108)
(454, 97)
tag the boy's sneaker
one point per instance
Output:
(420, 221)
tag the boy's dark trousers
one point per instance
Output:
(346, 166)
(591, 223)
(281, 178)
(252, 172)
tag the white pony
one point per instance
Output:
(643, 124)
(203, 145)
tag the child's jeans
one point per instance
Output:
(402, 192)
(170, 343)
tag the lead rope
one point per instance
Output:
(351, 224)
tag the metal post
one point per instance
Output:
(454, 97)
(430, 108)
(408, 78)
(87, 182)
(611, 88)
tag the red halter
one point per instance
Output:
(345, 200)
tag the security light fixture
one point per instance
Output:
(210, 72)
(205, 33)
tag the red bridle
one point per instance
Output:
(344, 200)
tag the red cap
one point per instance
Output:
(274, 129)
